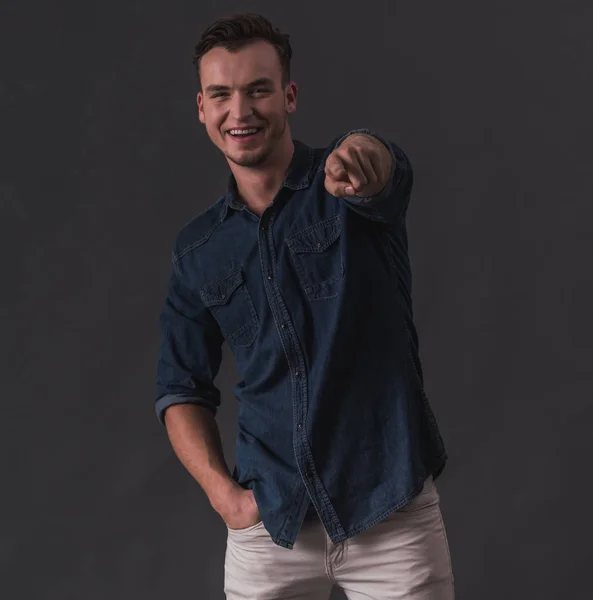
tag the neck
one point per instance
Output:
(257, 186)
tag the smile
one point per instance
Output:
(244, 134)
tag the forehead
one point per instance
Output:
(254, 61)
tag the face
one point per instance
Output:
(243, 91)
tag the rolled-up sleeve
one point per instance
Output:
(190, 351)
(391, 203)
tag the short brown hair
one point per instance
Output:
(239, 30)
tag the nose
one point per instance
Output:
(240, 107)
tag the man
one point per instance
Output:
(302, 268)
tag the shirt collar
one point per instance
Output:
(298, 176)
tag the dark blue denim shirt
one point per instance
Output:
(314, 299)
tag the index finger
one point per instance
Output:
(335, 167)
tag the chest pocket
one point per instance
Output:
(317, 257)
(231, 304)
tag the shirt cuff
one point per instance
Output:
(162, 404)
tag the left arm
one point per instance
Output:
(372, 175)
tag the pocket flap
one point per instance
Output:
(316, 238)
(220, 292)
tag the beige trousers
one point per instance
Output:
(405, 556)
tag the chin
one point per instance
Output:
(249, 158)
(253, 160)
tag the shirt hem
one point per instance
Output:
(434, 471)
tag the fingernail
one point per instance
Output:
(349, 190)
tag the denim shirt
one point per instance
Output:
(314, 300)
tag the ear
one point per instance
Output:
(200, 103)
(290, 97)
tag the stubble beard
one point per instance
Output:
(260, 158)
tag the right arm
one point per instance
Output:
(189, 360)
(195, 438)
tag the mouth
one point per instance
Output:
(244, 134)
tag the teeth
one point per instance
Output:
(242, 131)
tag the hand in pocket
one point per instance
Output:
(241, 511)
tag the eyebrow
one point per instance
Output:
(224, 88)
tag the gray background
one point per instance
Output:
(103, 160)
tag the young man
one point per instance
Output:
(302, 268)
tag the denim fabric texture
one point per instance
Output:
(314, 300)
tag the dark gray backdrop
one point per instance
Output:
(103, 160)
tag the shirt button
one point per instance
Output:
(270, 277)
(297, 374)
(299, 426)
(283, 326)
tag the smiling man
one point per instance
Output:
(301, 266)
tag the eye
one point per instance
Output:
(258, 91)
